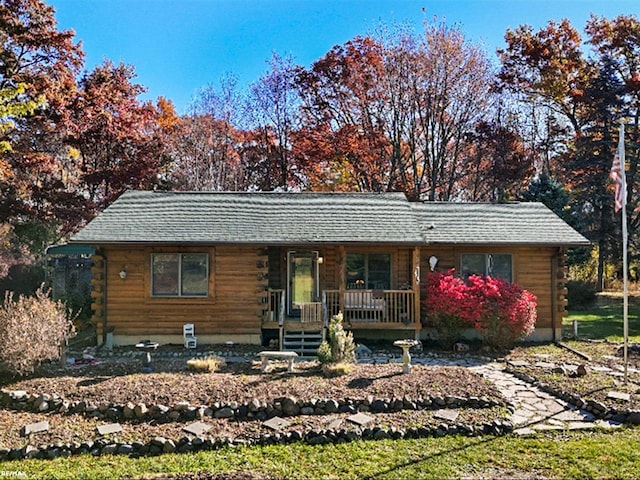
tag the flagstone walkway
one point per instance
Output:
(533, 410)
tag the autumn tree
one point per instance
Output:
(618, 43)
(589, 95)
(451, 94)
(38, 65)
(205, 147)
(497, 164)
(393, 112)
(343, 144)
(115, 135)
(272, 111)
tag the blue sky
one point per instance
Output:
(179, 46)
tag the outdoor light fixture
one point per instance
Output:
(320, 260)
(433, 261)
(123, 274)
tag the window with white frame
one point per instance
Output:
(180, 274)
(488, 265)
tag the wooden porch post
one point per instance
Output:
(342, 273)
(416, 291)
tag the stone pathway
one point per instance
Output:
(533, 410)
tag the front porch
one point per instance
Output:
(362, 310)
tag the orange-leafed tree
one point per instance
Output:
(115, 134)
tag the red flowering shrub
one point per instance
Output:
(501, 312)
(448, 307)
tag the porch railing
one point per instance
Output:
(372, 306)
(276, 309)
(385, 307)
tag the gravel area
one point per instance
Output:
(170, 383)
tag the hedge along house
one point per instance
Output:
(247, 267)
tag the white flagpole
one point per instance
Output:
(625, 248)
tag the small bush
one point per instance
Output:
(339, 369)
(580, 293)
(206, 364)
(32, 330)
(340, 346)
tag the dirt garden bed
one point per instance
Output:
(99, 387)
(555, 366)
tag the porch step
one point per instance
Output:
(303, 343)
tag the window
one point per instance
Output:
(495, 266)
(180, 274)
(369, 271)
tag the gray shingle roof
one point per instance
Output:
(254, 218)
(288, 219)
(494, 223)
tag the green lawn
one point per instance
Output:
(569, 455)
(605, 320)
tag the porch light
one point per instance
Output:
(123, 274)
(320, 260)
(433, 261)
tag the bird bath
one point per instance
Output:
(405, 345)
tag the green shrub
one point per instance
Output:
(32, 330)
(580, 293)
(339, 347)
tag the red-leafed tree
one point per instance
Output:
(342, 101)
(115, 135)
(394, 112)
(497, 164)
(41, 63)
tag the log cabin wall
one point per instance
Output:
(238, 279)
(533, 270)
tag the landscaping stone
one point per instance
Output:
(289, 406)
(33, 428)
(446, 414)
(625, 397)
(197, 428)
(518, 363)
(109, 429)
(128, 411)
(140, 410)
(225, 412)
(361, 419)
(169, 447)
(276, 423)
